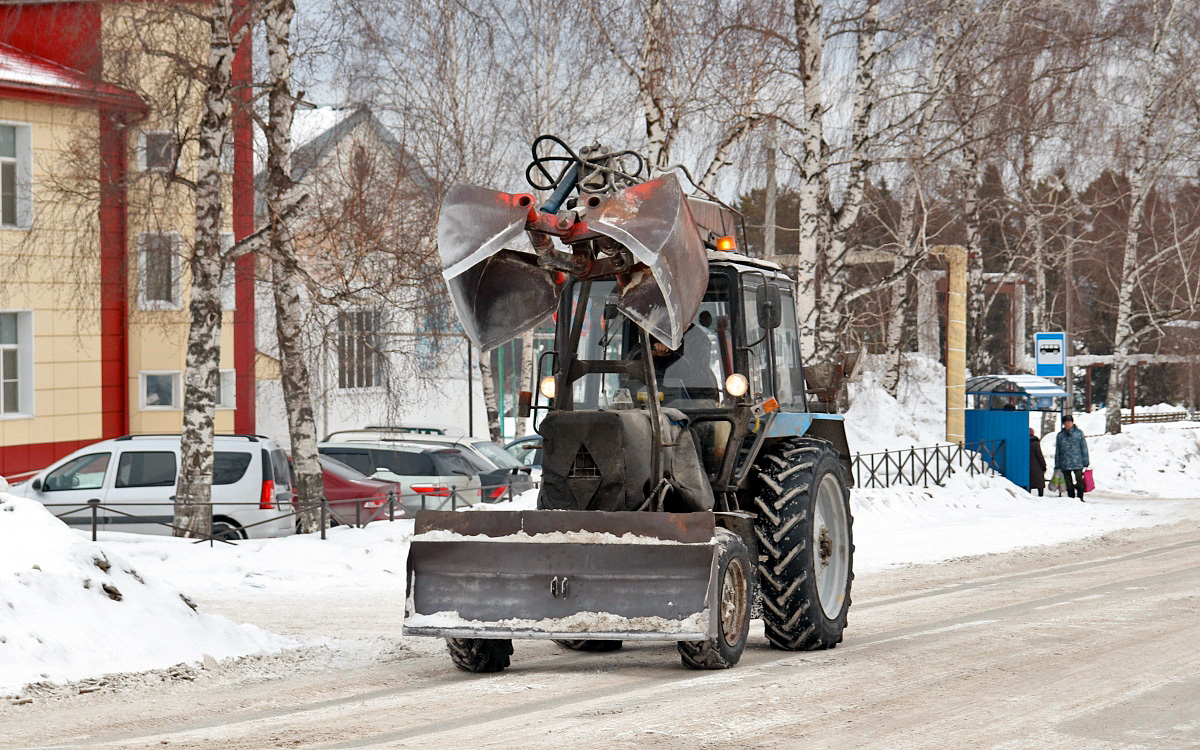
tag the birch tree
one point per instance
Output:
(1154, 100)
(821, 264)
(193, 491)
(288, 282)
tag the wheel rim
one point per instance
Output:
(733, 602)
(830, 546)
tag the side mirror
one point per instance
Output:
(37, 484)
(610, 310)
(524, 403)
(770, 311)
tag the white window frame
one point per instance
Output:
(24, 172)
(228, 275)
(176, 303)
(141, 150)
(177, 391)
(227, 382)
(24, 349)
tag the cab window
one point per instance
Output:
(83, 473)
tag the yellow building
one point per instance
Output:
(93, 297)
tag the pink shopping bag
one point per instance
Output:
(1088, 483)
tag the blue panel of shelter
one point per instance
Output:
(1010, 426)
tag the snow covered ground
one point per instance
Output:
(71, 608)
(54, 608)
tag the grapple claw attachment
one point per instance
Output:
(499, 293)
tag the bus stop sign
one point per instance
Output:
(1050, 353)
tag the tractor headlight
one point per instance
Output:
(736, 385)
(547, 387)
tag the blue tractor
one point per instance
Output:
(684, 476)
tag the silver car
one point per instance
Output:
(430, 476)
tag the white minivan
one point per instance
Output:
(134, 476)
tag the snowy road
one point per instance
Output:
(1089, 644)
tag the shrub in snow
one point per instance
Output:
(69, 608)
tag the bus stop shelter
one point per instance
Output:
(998, 408)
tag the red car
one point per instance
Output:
(346, 487)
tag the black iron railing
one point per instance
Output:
(97, 515)
(923, 466)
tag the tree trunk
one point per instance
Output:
(285, 270)
(528, 358)
(813, 234)
(772, 193)
(193, 494)
(489, 397)
(1139, 186)
(659, 133)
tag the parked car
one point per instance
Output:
(430, 476)
(500, 474)
(347, 487)
(393, 432)
(134, 476)
(527, 451)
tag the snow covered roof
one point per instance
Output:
(23, 74)
(1029, 384)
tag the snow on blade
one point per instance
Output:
(70, 608)
(580, 622)
(554, 537)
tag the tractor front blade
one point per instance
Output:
(563, 574)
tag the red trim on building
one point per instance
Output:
(114, 279)
(244, 346)
(21, 459)
(65, 32)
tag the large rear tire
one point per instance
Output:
(597, 646)
(480, 654)
(805, 544)
(734, 584)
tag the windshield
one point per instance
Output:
(688, 377)
(497, 455)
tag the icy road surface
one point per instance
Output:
(1089, 644)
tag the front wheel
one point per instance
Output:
(806, 547)
(734, 583)
(480, 654)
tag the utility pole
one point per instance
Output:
(771, 197)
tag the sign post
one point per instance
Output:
(1050, 353)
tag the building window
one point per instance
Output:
(360, 359)
(227, 390)
(156, 151)
(16, 364)
(159, 269)
(16, 193)
(160, 390)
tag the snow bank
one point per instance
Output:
(984, 515)
(71, 608)
(372, 558)
(1161, 460)
(876, 421)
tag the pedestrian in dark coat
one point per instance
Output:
(1037, 465)
(1071, 455)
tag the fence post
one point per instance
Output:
(392, 506)
(358, 515)
(95, 503)
(323, 519)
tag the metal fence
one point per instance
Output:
(94, 514)
(1159, 416)
(927, 465)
